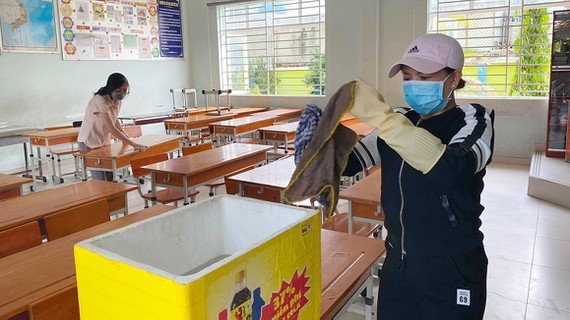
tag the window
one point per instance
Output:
(507, 43)
(272, 47)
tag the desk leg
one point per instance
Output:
(369, 299)
(153, 187)
(350, 217)
(185, 189)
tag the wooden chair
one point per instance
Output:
(133, 131)
(75, 219)
(164, 195)
(20, 238)
(62, 305)
(199, 148)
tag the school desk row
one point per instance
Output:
(40, 283)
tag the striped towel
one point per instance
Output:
(307, 126)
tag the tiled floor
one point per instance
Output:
(527, 242)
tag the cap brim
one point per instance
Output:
(420, 64)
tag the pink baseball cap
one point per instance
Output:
(430, 53)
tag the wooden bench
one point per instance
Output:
(75, 219)
(20, 238)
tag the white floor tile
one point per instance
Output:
(507, 245)
(540, 313)
(499, 308)
(553, 221)
(508, 279)
(552, 253)
(550, 288)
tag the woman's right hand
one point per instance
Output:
(139, 147)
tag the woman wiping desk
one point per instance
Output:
(101, 120)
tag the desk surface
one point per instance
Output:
(346, 264)
(35, 206)
(238, 112)
(281, 128)
(361, 129)
(37, 272)
(280, 112)
(276, 174)
(11, 131)
(208, 159)
(201, 119)
(119, 149)
(365, 191)
(52, 134)
(252, 119)
(8, 181)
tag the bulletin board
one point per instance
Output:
(120, 29)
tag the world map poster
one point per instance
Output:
(28, 26)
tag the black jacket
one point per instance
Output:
(435, 213)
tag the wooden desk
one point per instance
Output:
(348, 119)
(35, 206)
(199, 168)
(281, 114)
(280, 133)
(361, 129)
(266, 182)
(347, 262)
(186, 125)
(364, 200)
(234, 128)
(47, 139)
(238, 112)
(118, 155)
(12, 186)
(35, 273)
(11, 135)
(157, 117)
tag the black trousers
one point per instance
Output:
(439, 288)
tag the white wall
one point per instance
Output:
(364, 38)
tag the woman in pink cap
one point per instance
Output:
(433, 156)
(101, 120)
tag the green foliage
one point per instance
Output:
(316, 71)
(261, 79)
(533, 50)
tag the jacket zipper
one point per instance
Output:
(403, 252)
(402, 242)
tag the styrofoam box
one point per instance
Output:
(225, 257)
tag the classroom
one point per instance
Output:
(223, 199)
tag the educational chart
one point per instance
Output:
(120, 29)
(28, 26)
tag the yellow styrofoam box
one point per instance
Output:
(222, 258)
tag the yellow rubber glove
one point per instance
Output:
(417, 146)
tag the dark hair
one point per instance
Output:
(115, 80)
(461, 83)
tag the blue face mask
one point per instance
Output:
(425, 97)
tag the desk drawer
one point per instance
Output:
(10, 193)
(367, 211)
(98, 163)
(223, 130)
(176, 126)
(275, 136)
(116, 203)
(262, 193)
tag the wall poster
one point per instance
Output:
(120, 29)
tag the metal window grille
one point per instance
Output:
(272, 47)
(507, 43)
